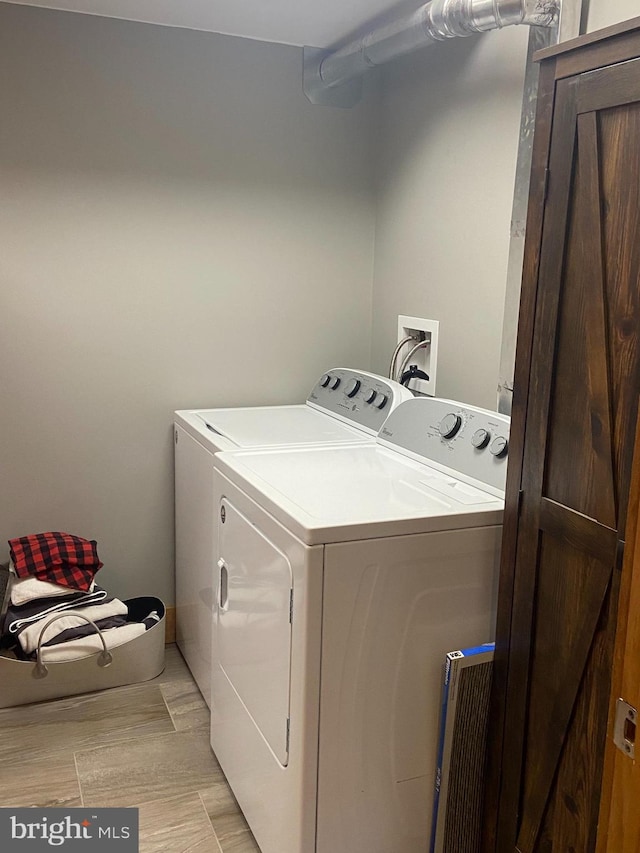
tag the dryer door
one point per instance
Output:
(254, 624)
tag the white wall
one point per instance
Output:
(179, 227)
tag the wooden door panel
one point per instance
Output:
(579, 464)
(610, 87)
(581, 409)
(619, 817)
(620, 183)
(571, 590)
(567, 459)
(535, 221)
(597, 55)
(578, 530)
(577, 786)
(513, 671)
(545, 838)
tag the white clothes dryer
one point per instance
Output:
(345, 575)
(344, 406)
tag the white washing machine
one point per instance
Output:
(344, 406)
(345, 574)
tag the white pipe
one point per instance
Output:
(435, 21)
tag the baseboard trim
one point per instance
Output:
(170, 626)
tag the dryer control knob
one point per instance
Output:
(353, 387)
(499, 446)
(382, 401)
(325, 380)
(335, 381)
(450, 425)
(370, 395)
(481, 438)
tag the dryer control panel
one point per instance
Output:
(467, 441)
(359, 398)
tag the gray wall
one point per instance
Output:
(604, 13)
(448, 123)
(449, 120)
(180, 227)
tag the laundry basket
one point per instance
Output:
(23, 682)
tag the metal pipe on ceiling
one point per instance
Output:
(334, 77)
(433, 22)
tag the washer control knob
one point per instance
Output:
(370, 395)
(450, 425)
(481, 438)
(334, 383)
(352, 387)
(499, 446)
(381, 401)
(325, 380)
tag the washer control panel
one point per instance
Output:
(361, 398)
(464, 439)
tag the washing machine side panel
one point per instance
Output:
(393, 608)
(278, 801)
(194, 515)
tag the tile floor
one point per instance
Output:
(145, 746)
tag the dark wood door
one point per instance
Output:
(565, 517)
(619, 820)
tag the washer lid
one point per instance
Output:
(264, 426)
(342, 493)
(343, 406)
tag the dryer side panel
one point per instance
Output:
(393, 608)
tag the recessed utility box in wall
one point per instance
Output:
(425, 357)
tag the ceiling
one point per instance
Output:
(318, 23)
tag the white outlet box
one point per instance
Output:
(425, 358)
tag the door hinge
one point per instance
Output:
(520, 496)
(624, 729)
(620, 554)
(288, 732)
(291, 606)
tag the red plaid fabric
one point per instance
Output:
(56, 557)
